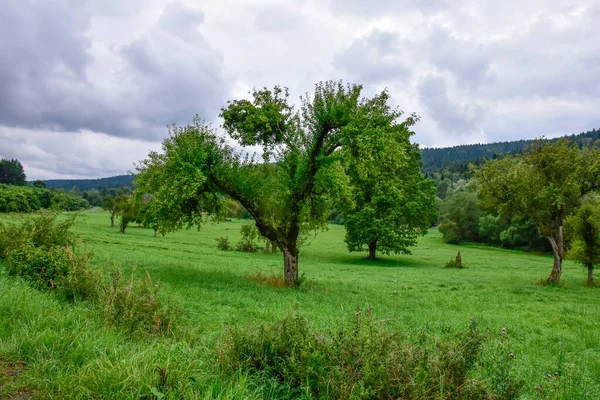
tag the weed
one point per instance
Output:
(361, 360)
(223, 243)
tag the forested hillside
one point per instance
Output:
(457, 158)
(112, 182)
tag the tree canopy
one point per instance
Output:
(12, 173)
(583, 230)
(289, 192)
(545, 184)
(391, 204)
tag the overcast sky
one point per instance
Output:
(87, 87)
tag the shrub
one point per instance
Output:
(43, 231)
(247, 242)
(44, 268)
(38, 251)
(223, 243)
(136, 305)
(361, 360)
(455, 264)
(82, 282)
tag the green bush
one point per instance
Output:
(247, 242)
(363, 360)
(136, 305)
(43, 231)
(43, 267)
(40, 250)
(223, 243)
(455, 264)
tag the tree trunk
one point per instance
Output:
(557, 252)
(290, 266)
(268, 246)
(590, 280)
(372, 250)
(112, 220)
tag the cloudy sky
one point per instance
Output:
(87, 87)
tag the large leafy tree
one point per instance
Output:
(288, 192)
(391, 203)
(545, 184)
(583, 230)
(11, 172)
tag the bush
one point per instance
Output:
(363, 360)
(43, 231)
(223, 243)
(44, 268)
(38, 251)
(137, 305)
(247, 242)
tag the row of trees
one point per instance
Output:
(338, 150)
(550, 190)
(27, 199)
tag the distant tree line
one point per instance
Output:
(113, 182)
(457, 158)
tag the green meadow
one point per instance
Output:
(52, 349)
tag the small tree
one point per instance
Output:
(459, 217)
(583, 229)
(126, 210)
(545, 184)
(108, 204)
(391, 203)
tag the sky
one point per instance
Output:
(88, 87)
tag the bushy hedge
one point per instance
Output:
(365, 360)
(26, 199)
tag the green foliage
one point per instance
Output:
(223, 243)
(389, 203)
(111, 184)
(248, 241)
(27, 199)
(136, 305)
(455, 264)
(12, 173)
(43, 231)
(583, 231)
(286, 197)
(127, 209)
(361, 360)
(43, 267)
(94, 197)
(449, 160)
(459, 217)
(38, 250)
(545, 185)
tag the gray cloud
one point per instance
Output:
(166, 75)
(105, 77)
(374, 58)
(450, 116)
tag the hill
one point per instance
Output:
(112, 182)
(437, 159)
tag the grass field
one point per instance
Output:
(66, 351)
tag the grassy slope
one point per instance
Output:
(549, 326)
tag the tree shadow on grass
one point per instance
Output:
(384, 262)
